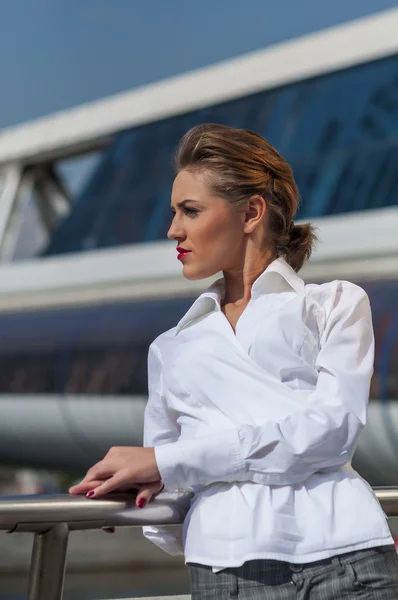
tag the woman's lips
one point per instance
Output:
(182, 252)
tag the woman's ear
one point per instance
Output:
(254, 213)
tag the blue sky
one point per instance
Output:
(60, 53)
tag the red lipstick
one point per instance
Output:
(182, 252)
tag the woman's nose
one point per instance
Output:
(174, 231)
(170, 233)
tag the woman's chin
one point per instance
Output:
(189, 272)
(191, 275)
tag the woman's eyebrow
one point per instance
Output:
(182, 203)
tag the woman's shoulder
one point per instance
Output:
(334, 300)
(337, 294)
(164, 342)
(330, 289)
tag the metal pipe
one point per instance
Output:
(39, 513)
(36, 514)
(47, 568)
(388, 498)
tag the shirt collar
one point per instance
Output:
(276, 277)
(207, 302)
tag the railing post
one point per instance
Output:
(47, 568)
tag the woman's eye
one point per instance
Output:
(187, 211)
(190, 211)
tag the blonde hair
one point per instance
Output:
(241, 164)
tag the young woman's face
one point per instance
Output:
(206, 226)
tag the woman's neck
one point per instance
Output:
(238, 282)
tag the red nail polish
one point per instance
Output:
(90, 494)
(141, 502)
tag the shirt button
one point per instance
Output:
(296, 568)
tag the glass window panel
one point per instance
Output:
(339, 132)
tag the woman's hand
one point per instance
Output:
(122, 468)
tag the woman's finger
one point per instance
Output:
(111, 484)
(147, 491)
(83, 488)
(100, 471)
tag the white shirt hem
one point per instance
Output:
(293, 559)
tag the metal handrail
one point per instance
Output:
(50, 518)
(37, 514)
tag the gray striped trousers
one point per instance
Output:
(365, 574)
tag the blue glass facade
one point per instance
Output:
(338, 131)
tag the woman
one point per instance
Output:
(258, 395)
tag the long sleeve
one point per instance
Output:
(321, 436)
(160, 424)
(160, 427)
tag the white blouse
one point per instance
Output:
(262, 424)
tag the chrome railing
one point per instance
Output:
(50, 518)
